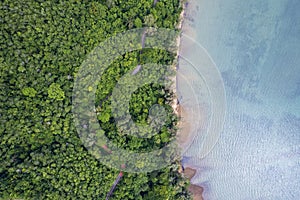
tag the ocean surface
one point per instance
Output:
(255, 47)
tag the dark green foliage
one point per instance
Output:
(43, 44)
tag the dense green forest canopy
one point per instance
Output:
(43, 44)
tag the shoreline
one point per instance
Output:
(195, 190)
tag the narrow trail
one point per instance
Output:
(114, 185)
(137, 69)
(120, 175)
(139, 66)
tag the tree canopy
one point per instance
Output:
(43, 44)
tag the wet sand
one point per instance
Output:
(183, 137)
(184, 134)
(184, 126)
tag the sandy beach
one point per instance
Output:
(184, 125)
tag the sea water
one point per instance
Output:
(255, 45)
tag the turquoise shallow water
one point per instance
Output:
(256, 47)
